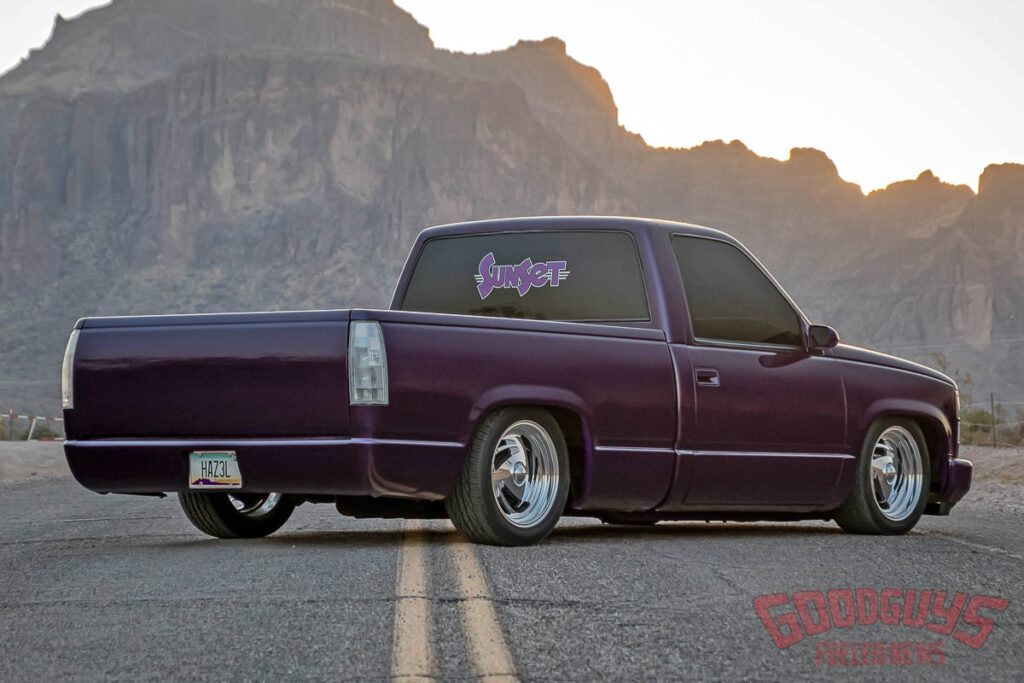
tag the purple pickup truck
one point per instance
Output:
(626, 369)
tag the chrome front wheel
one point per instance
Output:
(897, 474)
(890, 480)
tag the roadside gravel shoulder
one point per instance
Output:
(25, 460)
(998, 481)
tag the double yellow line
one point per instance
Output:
(412, 654)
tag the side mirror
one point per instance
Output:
(822, 337)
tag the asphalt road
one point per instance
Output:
(105, 587)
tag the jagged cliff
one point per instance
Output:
(229, 154)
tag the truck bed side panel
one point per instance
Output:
(445, 379)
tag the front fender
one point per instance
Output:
(933, 422)
(901, 407)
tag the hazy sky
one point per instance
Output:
(886, 88)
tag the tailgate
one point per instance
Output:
(233, 375)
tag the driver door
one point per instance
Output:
(769, 418)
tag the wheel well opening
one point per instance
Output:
(572, 429)
(935, 439)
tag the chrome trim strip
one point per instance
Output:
(227, 443)
(746, 454)
(362, 441)
(406, 442)
(769, 454)
(634, 449)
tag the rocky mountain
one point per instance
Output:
(208, 155)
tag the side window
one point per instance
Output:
(730, 298)
(577, 275)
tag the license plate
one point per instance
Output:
(213, 470)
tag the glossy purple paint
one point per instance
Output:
(660, 425)
(235, 375)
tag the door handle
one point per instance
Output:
(707, 377)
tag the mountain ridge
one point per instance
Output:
(287, 155)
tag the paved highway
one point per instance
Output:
(104, 587)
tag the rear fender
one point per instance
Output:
(508, 395)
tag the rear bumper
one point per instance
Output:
(425, 470)
(956, 484)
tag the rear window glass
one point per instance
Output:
(581, 276)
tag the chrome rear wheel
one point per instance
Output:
(524, 474)
(255, 504)
(236, 514)
(515, 480)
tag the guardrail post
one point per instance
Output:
(992, 401)
(10, 425)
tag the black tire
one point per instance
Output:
(472, 506)
(860, 513)
(215, 514)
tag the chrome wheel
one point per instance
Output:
(254, 504)
(524, 474)
(897, 473)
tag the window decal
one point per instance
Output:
(520, 277)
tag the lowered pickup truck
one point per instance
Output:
(626, 369)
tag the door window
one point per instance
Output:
(729, 296)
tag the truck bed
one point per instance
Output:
(273, 388)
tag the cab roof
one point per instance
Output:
(545, 223)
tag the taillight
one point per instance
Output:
(367, 364)
(67, 376)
